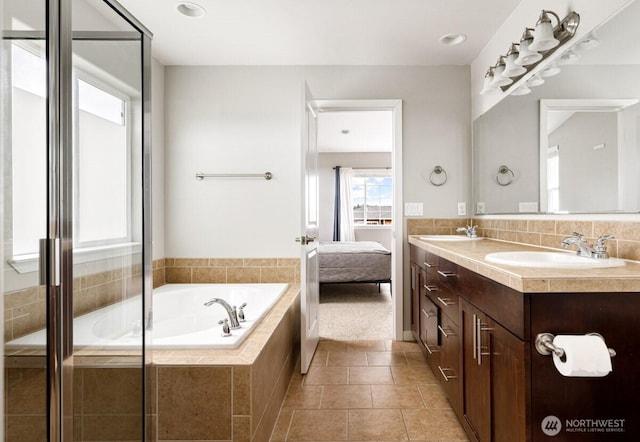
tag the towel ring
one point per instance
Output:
(505, 176)
(434, 173)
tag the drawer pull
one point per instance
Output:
(431, 288)
(426, 264)
(428, 314)
(445, 333)
(429, 350)
(447, 274)
(444, 375)
(445, 301)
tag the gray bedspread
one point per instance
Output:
(359, 261)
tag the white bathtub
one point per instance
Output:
(180, 319)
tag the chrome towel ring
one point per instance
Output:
(505, 176)
(435, 174)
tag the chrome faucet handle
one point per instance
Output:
(226, 331)
(600, 250)
(241, 312)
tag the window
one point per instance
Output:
(372, 196)
(102, 156)
(553, 179)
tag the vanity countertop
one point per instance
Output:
(470, 255)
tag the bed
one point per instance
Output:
(348, 262)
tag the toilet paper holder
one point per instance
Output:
(544, 345)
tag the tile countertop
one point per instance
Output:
(470, 254)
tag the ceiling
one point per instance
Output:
(355, 131)
(320, 32)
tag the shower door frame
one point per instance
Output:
(58, 246)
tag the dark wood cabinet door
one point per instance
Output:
(415, 301)
(477, 371)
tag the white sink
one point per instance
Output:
(551, 260)
(449, 238)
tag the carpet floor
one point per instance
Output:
(355, 312)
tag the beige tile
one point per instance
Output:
(366, 346)
(415, 358)
(433, 396)
(112, 390)
(25, 391)
(629, 231)
(241, 378)
(629, 250)
(246, 275)
(347, 359)
(568, 227)
(317, 425)
(376, 425)
(260, 262)
(206, 275)
(402, 346)
(528, 238)
(541, 226)
(412, 375)
(281, 427)
(386, 358)
(326, 376)
(346, 396)
(303, 397)
(277, 274)
(241, 428)
(396, 396)
(433, 425)
(330, 345)
(516, 225)
(191, 262)
(112, 427)
(185, 406)
(31, 428)
(226, 262)
(179, 275)
(289, 262)
(370, 375)
(320, 358)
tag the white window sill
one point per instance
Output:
(373, 226)
(30, 262)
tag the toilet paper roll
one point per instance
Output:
(586, 356)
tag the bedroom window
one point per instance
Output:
(372, 196)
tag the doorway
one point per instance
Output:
(377, 163)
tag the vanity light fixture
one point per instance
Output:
(192, 10)
(526, 55)
(569, 57)
(535, 46)
(511, 68)
(498, 79)
(543, 38)
(522, 90)
(487, 86)
(535, 81)
(551, 71)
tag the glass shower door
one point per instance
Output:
(75, 198)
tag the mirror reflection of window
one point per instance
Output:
(553, 178)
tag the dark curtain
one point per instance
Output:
(336, 209)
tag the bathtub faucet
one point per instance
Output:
(231, 311)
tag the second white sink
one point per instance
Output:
(551, 260)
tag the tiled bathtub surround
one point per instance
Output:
(541, 232)
(25, 309)
(235, 270)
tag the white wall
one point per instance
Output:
(247, 119)
(157, 160)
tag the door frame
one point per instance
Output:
(397, 227)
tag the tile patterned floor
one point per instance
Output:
(367, 391)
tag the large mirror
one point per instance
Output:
(572, 145)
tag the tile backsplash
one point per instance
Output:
(541, 232)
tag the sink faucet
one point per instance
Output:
(231, 311)
(599, 251)
(471, 231)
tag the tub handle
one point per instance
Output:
(241, 312)
(226, 331)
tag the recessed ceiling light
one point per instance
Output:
(192, 10)
(452, 39)
(344, 131)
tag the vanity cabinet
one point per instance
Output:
(495, 387)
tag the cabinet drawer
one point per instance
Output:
(417, 255)
(444, 298)
(429, 333)
(449, 365)
(430, 261)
